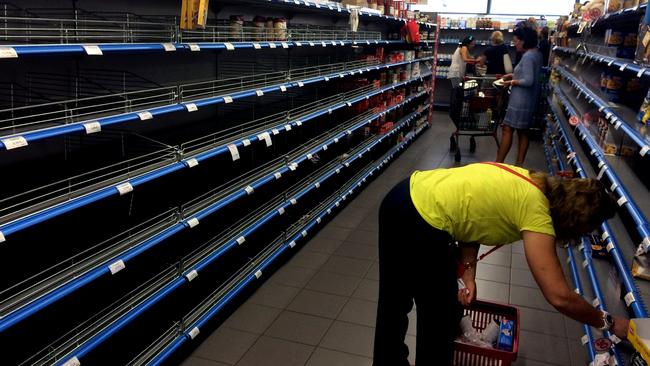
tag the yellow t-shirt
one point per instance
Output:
(481, 203)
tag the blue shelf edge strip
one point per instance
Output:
(626, 200)
(634, 302)
(48, 213)
(613, 62)
(18, 315)
(88, 346)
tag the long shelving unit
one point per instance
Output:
(602, 139)
(177, 188)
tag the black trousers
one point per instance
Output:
(417, 263)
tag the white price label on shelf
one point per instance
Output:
(277, 175)
(571, 155)
(298, 123)
(281, 211)
(194, 47)
(584, 339)
(2, 237)
(341, 43)
(241, 240)
(312, 44)
(227, 99)
(266, 137)
(613, 186)
(608, 115)
(319, 220)
(116, 266)
(629, 298)
(581, 246)
(257, 46)
(325, 147)
(234, 152)
(601, 108)
(8, 52)
(349, 104)
(275, 131)
(640, 73)
(259, 92)
(338, 171)
(92, 50)
(293, 166)
(192, 222)
(249, 190)
(14, 142)
(622, 68)
(600, 164)
(617, 125)
(644, 150)
(604, 236)
(304, 233)
(229, 46)
(585, 263)
(285, 45)
(592, 152)
(193, 333)
(292, 244)
(298, 44)
(601, 172)
(301, 84)
(610, 63)
(124, 188)
(74, 361)
(337, 203)
(283, 88)
(191, 107)
(595, 302)
(169, 47)
(191, 163)
(323, 44)
(272, 45)
(145, 115)
(621, 201)
(609, 247)
(577, 291)
(327, 78)
(317, 185)
(309, 156)
(336, 140)
(293, 201)
(258, 274)
(191, 275)
(92, 127)
(246, 142)
(287, 127)
(329, 211)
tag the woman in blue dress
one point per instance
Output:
(524, 94)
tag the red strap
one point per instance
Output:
(515, 173)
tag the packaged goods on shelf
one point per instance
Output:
(642, 54)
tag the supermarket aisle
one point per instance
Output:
(319, 309)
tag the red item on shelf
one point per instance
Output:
(385, 128)
(411, 31)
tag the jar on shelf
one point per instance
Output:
(259, 23)
(237, 27)
(280, 27)
(270, 32)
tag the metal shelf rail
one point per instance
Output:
(127, 186)
(632, 298)
(588, 339)
(620, 64)
(610, 113)
(617, 187)
(30, 300)
(187, 329)
(187, 98)
(77, 348)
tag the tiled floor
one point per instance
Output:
(319, 309)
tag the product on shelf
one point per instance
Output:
(644, 112)
(236, 26)
(643, 41)
(280, 27)
(628, 4)
(613, 6)
(259, 23)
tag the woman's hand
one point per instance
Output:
(467, 295)
(620, 327)
(507, 77)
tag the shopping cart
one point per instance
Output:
(482, 313)
(471, 110)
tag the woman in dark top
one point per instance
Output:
(544, 45)
(494, 56)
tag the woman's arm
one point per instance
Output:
(527, 78)
(545, 266)
(464, 53)
(468, 253)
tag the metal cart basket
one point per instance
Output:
(472, 108)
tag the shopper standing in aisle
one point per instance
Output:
(544, 45)
(496, 57)
(422, 217)
(459, 61)
(525, 84)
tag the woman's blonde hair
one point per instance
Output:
(577, 205)
(497, 37)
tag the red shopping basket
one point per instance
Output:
(482, 313)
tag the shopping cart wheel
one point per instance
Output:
(472, 144)
(457, 156)
(452, 143)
